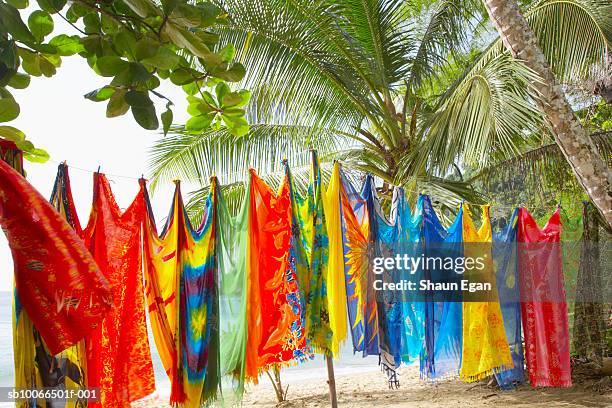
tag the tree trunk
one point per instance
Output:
(573, 140)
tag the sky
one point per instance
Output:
(56, 117)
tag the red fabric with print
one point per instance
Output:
(543, 306)
(118, 354)
(57, 280)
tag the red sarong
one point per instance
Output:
(57, 280)
(543, 306)
(118, 354)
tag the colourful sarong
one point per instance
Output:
(275, 334)
(57, 281)
(118, 353)
(544, 309)
(310, 243)
(485, 348)
(505, 258)
(443, 317)
(181, 265)
(336, 286)
(355, 247)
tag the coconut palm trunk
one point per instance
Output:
(573, 140)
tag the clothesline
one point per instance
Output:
(245, 172)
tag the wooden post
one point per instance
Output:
(331, 381)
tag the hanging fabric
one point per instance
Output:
(443, 314)
(232, 239)
(57, 281)
(35, 366)
(356, 263)
(275, 334)
(505, 258)
(372, 323)
(118, 353)
(310, 242)
(181, 265)
(336, 290)
(544, 309)
(413, 308)
(485, 349)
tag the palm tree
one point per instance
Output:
(573, 140)
(399, 89)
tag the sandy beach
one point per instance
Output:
(370, 389)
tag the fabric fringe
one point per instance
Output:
(484, 374)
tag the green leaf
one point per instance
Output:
(47, 68)
(67, 45)
(19, 81)
(186, 15)
(11, 22)
(36, 155)
(198, 123)
(52, 6)
(182, 76)
(110, 66)
(208, 14)
(92, 23)
(12, 134)
(233, 74)
(237, 125)
(221, 90)
(41, 24)
(30, 62)
(145, 116)
(117, 105)
(125, 42)
(191, 89)
(236, 99)
(165, 58)
(102, 94)
(20, 4)
(166, 118)
(9, 109)
(168, 6)
(227, 53)
(138, 99)
(134, 74)
(146, 48)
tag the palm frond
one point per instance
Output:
(194, 158)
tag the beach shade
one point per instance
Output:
(310, 243)
(275, 335)
(355, 231)
(505, 258)
(182, 292)
(443, 309)
(58, 283)
(118, 352)
(485, 348)
(35, 366)
(543, 306)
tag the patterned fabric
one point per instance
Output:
(413, 309)
(355, 247)
(544, 311)
(372, 323)
(485, 347)
(336, 289)
(57, 281)
(275, 333)
(505, 258)
(118, 353)
(35, 366)
(310, 244)
(181, 265)
(443, 319)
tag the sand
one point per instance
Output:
(370, 389)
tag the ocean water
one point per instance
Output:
(316, 368)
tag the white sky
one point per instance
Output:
(56, 117)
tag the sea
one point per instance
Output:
(347, 363)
